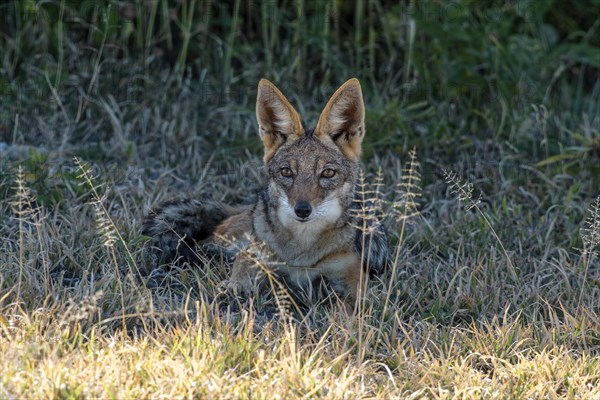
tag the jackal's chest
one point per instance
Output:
(302, 250)
(333, 266)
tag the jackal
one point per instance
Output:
(309, 222)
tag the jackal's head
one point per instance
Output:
(311, 171)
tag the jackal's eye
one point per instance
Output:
(285, 171)
(328, 173)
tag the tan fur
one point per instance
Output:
(345, 112)
(324, 245)
(277, 119)
(236, 226)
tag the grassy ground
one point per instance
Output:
(495, 286)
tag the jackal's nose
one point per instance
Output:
(303, 209)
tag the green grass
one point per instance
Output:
(497, 298)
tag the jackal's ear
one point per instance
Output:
(278, 122)
(343, 119)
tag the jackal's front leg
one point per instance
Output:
(344, 272)
(244, 274)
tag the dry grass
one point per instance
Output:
(213, 360)
(80, 320)
(495, 298)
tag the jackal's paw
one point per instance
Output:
(235, 287)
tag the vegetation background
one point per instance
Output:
(107, 108)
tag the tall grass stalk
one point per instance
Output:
(590, 236)
(106, 225)
(359, 7)
(299, 40)
(149, 38)
(83, 102)
(186, 28)
(411, 32)
(166, 23)
(369, 203)
(325, 39)
(404, 209)
(266, 22)
(205, 17)
(67, 132)
(464, 192)
(108, 231)
(18, 209)
(371, 40)
(233, 32)
(60, 36)
(31, 247)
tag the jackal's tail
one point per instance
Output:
(180, 227)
